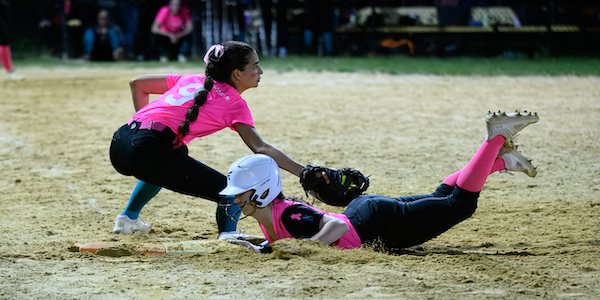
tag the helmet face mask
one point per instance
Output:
(259, 173)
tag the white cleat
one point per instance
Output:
(515, 161)
(508, 125)
(14, 76)
(125, 225)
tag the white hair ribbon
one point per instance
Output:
(219, 50)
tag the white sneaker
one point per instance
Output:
(506, 147)
(125, 225)
(182, 58)
(515, 161)
(234, 235)
(14, 76)
(508, 125)
(163, 59)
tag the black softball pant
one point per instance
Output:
(410, 220)
(149, 156)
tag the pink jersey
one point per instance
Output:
(348, 241)
(171, 23)
(223, 108)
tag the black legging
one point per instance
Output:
(410, 220)
(149, 156)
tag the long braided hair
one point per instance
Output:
(220, 62)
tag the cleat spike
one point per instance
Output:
(503, 113)
(535, 113)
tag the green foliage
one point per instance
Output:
(439, 66)
(577, 66)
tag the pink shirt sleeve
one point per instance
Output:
(172, 80)
(239, 113)
(185, 14)
(162, 14)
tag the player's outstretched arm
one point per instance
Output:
(143, 86)
(255, 142)
(332, 230)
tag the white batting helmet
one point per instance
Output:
(256, 172)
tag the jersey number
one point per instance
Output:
(184, 94)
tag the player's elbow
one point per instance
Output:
(344, 227)
(340, 226)
(133, 82)
(261, 147)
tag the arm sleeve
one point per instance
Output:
(301, 221)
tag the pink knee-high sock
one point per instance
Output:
(498, 165)
(6, 58)
(451, 180)
(473, 176)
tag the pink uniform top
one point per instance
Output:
(348, 241)
(223, 108)
(171, 23)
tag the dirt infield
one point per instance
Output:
(530, 237)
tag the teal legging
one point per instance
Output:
(145, 191)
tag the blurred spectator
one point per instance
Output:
(171, 29)
(281, 8)
(101, 41)
(5, 51)
(453, 12)
(318, 26)
(62, 23)
(129, 21)
(52, 28)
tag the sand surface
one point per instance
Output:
(530, 237)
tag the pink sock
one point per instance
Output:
(473, 176)
(6, 58)
(498, 165)
(451, 180)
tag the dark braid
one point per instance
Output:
(199, 100)
(235, 56)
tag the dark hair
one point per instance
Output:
(235, 56)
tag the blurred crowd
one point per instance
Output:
(175, 30)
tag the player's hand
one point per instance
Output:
(258, 248)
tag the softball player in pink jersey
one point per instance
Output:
(382, 222)
(152, 145)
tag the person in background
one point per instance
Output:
(129, 18)
(5, 50)
(318, 27)
(171, 28)
(101, 42)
